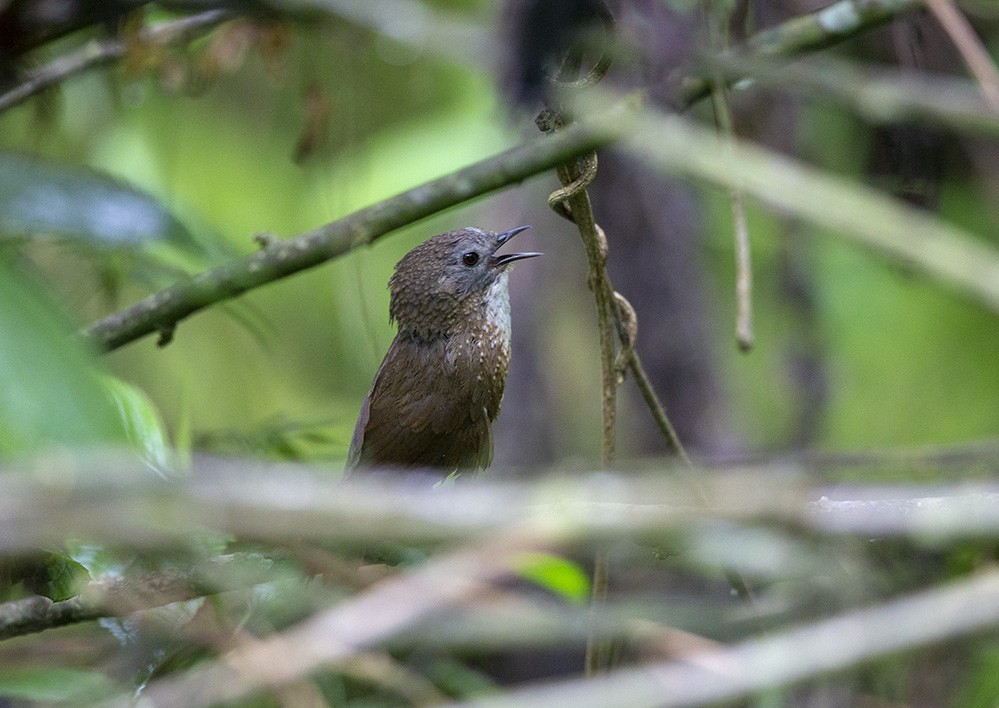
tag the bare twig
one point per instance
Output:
(743, 266)
(98, 53)
(572, 202)
(970, 47)
(627, 328)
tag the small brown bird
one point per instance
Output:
(440, 385)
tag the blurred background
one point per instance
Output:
(300, 114)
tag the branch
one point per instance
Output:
(879, 223)
(278, 503)
(120, 596)
(736, 672)
(807, 33)
(161, 311)
(355, 624)
(95, 54)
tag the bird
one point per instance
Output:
(440, 385)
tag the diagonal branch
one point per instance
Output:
(160, 312)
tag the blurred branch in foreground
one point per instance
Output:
(116, 503)
(494, 523)
(953, 610)
(122, 595)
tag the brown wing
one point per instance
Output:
(422, 411)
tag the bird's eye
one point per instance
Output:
(470, 258)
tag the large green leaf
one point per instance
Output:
(52, 392)
(38, 197)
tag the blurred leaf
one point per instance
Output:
(53, 684)
(57, 577)
(983, 682)
(143, 425)
(51, 391)
(39, 197)
(556, 574)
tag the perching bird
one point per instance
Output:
(439, 387)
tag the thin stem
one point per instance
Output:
(657, 410)
(597, 649)
(969, 46)
(743, 265)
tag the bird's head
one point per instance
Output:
(442, 281)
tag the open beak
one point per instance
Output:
(508, 258)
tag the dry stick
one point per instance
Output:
(96, 54)
(969, 46)
(743, 266)
(573, 203)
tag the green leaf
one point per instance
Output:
(56, 576)
(53, 684)
(52, 394)
(143, 425)
(556, 574)
(38, 197)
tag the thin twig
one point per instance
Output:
(98, 53)
(658, 411)
(975, 56)
(743, 266)
(628, 358)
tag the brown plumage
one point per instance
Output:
(439, 387)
